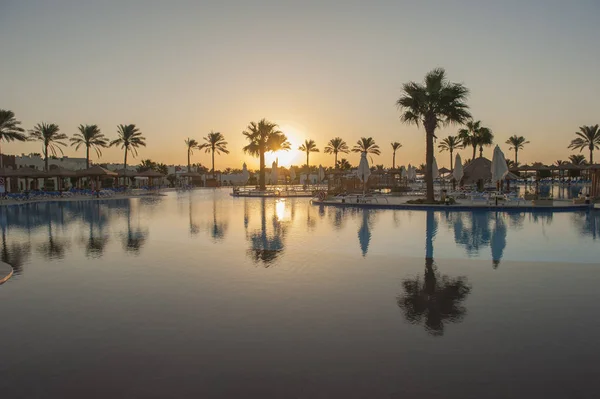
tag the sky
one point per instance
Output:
(319, 69)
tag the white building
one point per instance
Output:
(37, 162)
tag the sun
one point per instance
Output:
(291, 157)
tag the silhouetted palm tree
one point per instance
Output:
(10, 129)
(588, 137)
(395, 146)
(343, 164)
(451, 144)
(191, 144)
(214, 142)
(130, 138)
(50, 136)
(434, 103)
(517, 143)
(476, 135)
(264, 137)
(89, 136)
(308, 147)
(366, 144)
(577, 159)
(335, 146)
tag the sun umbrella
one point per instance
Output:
(499, 167)
(409, 172)
(292, 174)
(458, 171)
(402, 172)
(435, 172)
(363, 172)
(274, 172)
(245, 173)
(321, 173)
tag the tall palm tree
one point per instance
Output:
(475, 135)
(366, 144)
(10, 129)
(343, 164)
(485, 137)
(214, 142)
(264, 137)
(335, 146)
(50, 136)
(308, 147)
(451, 144)
(395, 146)
(130, 138)
(517, 143)
(587, 137)
(89, 136)
(437, 102)
(191, 144)
(577, 159)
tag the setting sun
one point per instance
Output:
(291, 157)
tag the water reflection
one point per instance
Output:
(433, 300)
(364, 232)
(96, 238)
(54, 248)
(477, 230)
(588, 223)
(217, 227)
(267, 244)
(135, 237)
(15, 254)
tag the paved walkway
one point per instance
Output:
(6, 272)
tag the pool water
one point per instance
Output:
(198, 294)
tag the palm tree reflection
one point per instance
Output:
(218, 226)
(14, 254)
(498, 241)
(364, 232)
(54, 248)
(434, 299)
(134, 238)
(194, 229)
(97, 238)
(267, 247)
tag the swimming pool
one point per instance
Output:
(201, 294)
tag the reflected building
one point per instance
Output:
(433, 300)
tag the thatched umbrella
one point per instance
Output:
(480, 169)
(28, 173)
(150, 174)
(97, 172)
(60, 173)
(126, 173)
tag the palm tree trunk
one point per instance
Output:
(451, 168)
(125, 168)
(474, 152)
(261, 177)
(46, 158)
(394, 160)
(516, 157)
(0, 152)
(189, 165)
(87, 157)
(480, 151)
(591, 155)
(335, 164)
(307, 168)
(429, 164)
(213, 163)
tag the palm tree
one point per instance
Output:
(475, 135)
(517, 143)
(89, 136)
(130, 139)
(451, 144)
(577, 159)
(512, 164)
(434, 103)
(343, 164)
(146, 164)
(335, 146)
(485, 137)
(366, 144)
(191, 144)
(308, 147)
(395, 146)
(50, 136)
(162, 168)
(264, 137)
(214, 142)
(587, 137)
(10, 129)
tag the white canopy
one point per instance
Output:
(274, 173)
(499, 167)
(363, 172)
(292, 174)
(321, 173)
(435, 172)
(458, 171)
(403, 172)
(245, 173)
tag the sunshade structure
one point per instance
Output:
(245, 173)
(476, 170)
(28, 173)
(127, 173)
(595, 177)
(435, 172)
(444, 170)
(96, 172)
(498, 167)
(363, 172)
(403, 173)
(292, 175)
(321, 173)
(274, 175)
(60, 173)
(151, 175)
(189, 174)
(458, 171)
(7, 172)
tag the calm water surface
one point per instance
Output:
(198, 294)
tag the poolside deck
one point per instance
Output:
(393, 202)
